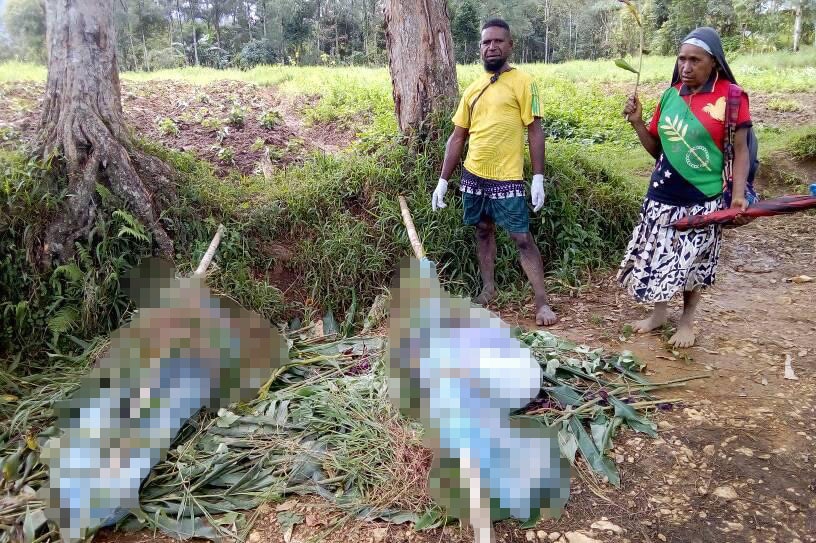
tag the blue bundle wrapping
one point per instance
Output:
(184, 350)
(458, 369)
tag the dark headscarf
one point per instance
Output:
(710, 37)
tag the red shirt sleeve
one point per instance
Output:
(655, 120)
(744, 117)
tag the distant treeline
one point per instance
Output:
(156, 34)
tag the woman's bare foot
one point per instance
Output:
(486, 296)
(545, 316)
(684, 337)
(653, 322)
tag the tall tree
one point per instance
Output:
(797, 23)
(420, 58)
(465, 30)
(82, 124)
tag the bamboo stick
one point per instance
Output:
(208, 256)
(416, 245)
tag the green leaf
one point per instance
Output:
(568, 445)
(71, 271)
(620, 63)
(397, 516)
(432, 518)
(635, 421)
(603, 430)
(288, 519)
(598, 462)
(186, 527)
(565, 395)
(20, 311)
(65, 319)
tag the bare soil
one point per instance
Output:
(201, 115)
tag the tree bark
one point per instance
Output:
(82, 125)
(420, 59)
(797, 25)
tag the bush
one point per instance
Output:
(168, 127)
(237, 116)
(270, 119)
(166, 59)
(804, 147)
(57, 310)
(257, 52)
(783, 105)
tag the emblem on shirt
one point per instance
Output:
(717, 109)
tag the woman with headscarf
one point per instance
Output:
(686, 136)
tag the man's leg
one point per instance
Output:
(684, 336)
(486, 253)
(534, 268)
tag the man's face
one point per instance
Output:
(496, 47)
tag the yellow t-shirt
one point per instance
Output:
(497, 124)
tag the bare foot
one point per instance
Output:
(653, 322)
(486, 296)
(545, 316)
(684, 337)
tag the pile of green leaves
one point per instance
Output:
(323, 425)
(590, 393)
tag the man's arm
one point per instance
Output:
(453, 151)
(453, 154)
(535, 135)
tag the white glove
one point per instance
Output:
(537, 192)
(439, 195)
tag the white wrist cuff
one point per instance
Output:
(538, 178)
(443, 180)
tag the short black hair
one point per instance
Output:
(500, 23)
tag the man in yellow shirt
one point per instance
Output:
(493, 115)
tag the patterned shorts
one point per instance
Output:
(660, 260)
(501, 202)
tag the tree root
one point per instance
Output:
(97, 150)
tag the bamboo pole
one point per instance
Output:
(419, 250)
(208, 256)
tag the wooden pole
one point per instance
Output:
(208, 256)
(419, 251)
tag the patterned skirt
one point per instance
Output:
(660, 260)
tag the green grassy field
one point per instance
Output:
(338, 215)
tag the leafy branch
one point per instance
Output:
(621, 63)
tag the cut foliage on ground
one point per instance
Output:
(323, 425)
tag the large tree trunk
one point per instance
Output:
(83, 126)
(420, 57)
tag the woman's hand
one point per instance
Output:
(739, 202)
(633, 111)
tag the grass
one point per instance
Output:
(783, 104)
(802, 145)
